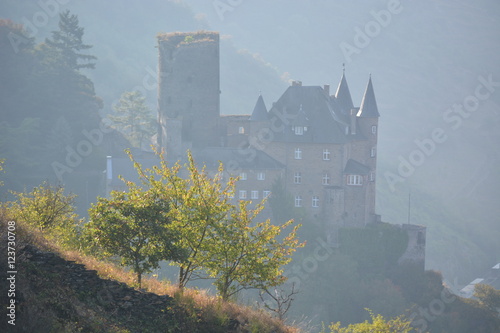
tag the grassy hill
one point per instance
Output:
(64, 291)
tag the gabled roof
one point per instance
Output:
(368, 106)
(325, 124)
(211, 157)
(353, 167)
(259, 111)
(343, 95)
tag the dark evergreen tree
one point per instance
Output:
(68, 40)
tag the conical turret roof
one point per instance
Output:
(259, 111)
(343, 95)
(368, 106)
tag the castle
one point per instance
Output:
(322, 147)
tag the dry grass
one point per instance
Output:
(210, 308)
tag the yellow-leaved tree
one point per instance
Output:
(219, 235)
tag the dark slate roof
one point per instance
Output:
(343, 95)
(301, 119)
(353, 167)
(259, 111)
(326, 123)
(368, 106)
(235, 158)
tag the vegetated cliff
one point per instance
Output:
(53, 294)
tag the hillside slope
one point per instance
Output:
(53, 294)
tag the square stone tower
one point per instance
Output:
(189, 89)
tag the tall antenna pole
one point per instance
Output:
(409, 206)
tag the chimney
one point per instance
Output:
(353, 121)
(109, 168)
(326, 88)
(296, 83)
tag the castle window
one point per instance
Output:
(299, 130)
(372, 176)
(261, 176)
(326, 155)
(315, 201)
(326, 179)
(374, 129)
(266, 194)
(243, 176)
(254, 195)
(241, 130)
(243, 194)
(297, 178)
(298, 154)
(298, 201)
(373, 152)
(356, 180)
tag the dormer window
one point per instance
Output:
(355, 180)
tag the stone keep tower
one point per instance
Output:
(188, 96)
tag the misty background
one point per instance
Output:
(429, 57)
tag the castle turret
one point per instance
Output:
(188, 97)
(343, 95)
(259, 111)
(368, 126)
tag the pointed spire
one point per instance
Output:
(343, 95)
(368, 106)
(259, 111)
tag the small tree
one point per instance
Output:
(488, 296)
(219, 237)
(243, 256)
(378, 324)
(133, 118)
(281, 297)
(134, 226)
(46, 206)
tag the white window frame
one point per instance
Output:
(266, 194)
(298, 201)
(372, 176)
(373, 152)
(241, 130)
(243, 194)
(299, 130)
(315, 201)
(297, 178)
(254, 195)
(243, 176)
(326, 154)
(326, 179)
(298, 153)
(374, 129)
(355, 180)
(261, 176)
